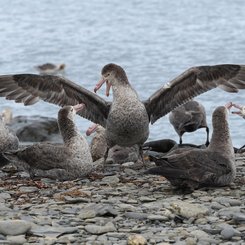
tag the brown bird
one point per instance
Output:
(116, 154)
(126, 118)
(191, 168)
(66, 161)
(188, 118)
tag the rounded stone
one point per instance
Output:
(14, 227)
(136, 240)
(227, 233)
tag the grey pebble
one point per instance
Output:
(147, 199)
(134, 215)
(14, 227)
(111, 179)
(157, 217)
(4, 195)
(20, 239)
(97, 229)
(227, 233)
(106, 210)
(225, 201)
(28, 189)
(239, 217)
(3, 208)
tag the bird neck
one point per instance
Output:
(68, 130)
(121, 90)
(221, 139)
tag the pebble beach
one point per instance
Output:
(118, 206)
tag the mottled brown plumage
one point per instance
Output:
(191, 168)
(126, 119)
(66, 161)
(116, 154)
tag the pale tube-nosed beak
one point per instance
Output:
(108, 87)
(99, 84)
(91, 129)
(228, 106)
(241, 111)
(78, 107)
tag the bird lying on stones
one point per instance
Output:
(66, 161)
(192, 168)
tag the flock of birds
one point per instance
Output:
(125, 123)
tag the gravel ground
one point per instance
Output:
(119, 206)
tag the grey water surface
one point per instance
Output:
(154, 41)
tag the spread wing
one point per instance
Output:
(191, 83)
(30, 88)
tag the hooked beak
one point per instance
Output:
(228, 106)
(108, 86)
(91, 129)
(100, 83)
(78, 107)
(238, 107)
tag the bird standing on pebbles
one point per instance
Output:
(126, 118)
(188, 118)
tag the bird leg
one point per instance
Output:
(207, 141)
(141, 161)
(180, 140)
(141, 153)
(106, 154)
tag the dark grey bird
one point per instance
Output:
(126, 118)
(66, 161)
(192, 168)
(188, 118)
